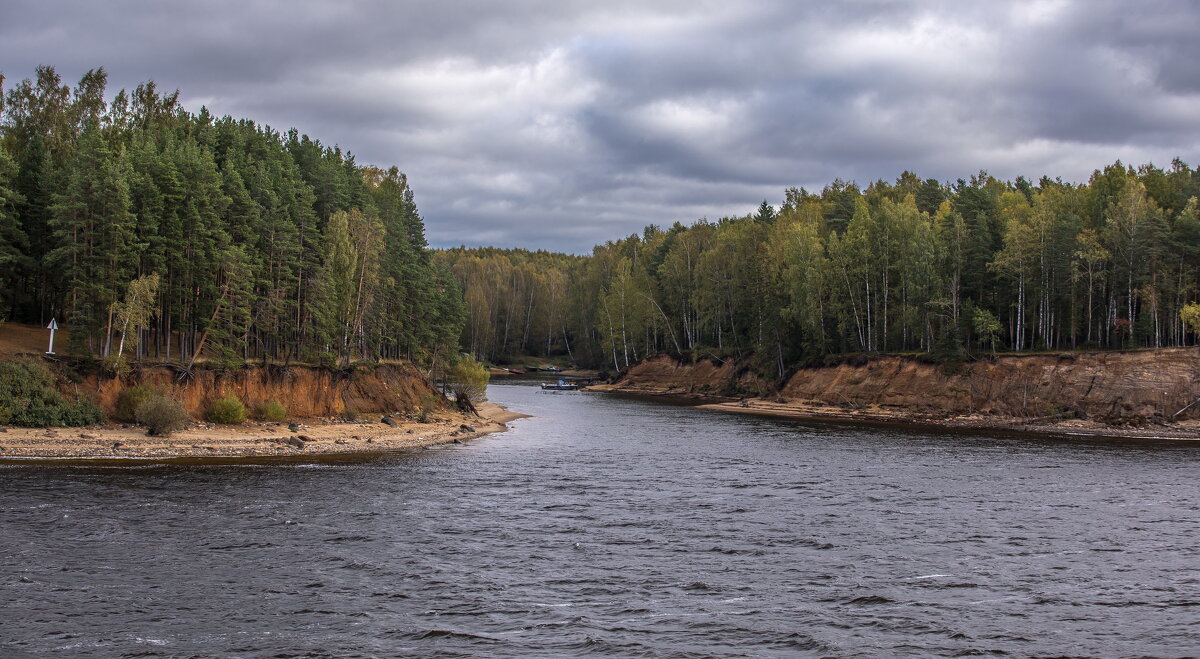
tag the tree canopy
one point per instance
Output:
(163, 234)
(910, 266)
(182, 236)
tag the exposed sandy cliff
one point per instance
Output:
(305, 391)
(1113, 386)
(396, 409)
(1097, 384)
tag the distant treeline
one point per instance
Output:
(911, 266)
(155, 232)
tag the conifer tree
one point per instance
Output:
(93, 227)
(14, 244)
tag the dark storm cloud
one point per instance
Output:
(559, 125)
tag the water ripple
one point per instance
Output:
(613, 527)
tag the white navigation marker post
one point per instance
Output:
(52, 326)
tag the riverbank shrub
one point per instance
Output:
(116, 366)
(28, 398)
(129, 400)
(272, 410)
(228, 410)
(161, 415)
(467, 377)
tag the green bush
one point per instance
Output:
(227, 410)
(129, 399)
(116, 366)
(468, 377)
(28, 396)
(161, 415)
(326, 360)
(273, 410)
(224, 360)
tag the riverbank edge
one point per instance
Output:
(796, 410)
(313, 438)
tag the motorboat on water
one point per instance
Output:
(561, 385)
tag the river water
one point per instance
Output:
(609, 526)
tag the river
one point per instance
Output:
(610, 526)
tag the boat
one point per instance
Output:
(562, 385)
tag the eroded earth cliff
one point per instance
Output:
(1112, 386)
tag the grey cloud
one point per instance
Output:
(560, 125)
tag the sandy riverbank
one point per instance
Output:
(1188, 429)
(800, 410)
(254, 439)
(1150, 394)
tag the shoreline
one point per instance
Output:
(797, 410)
(323, 438)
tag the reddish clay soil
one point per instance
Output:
(1143, 393)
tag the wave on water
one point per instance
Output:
(619, 528)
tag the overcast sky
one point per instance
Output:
(553, 124)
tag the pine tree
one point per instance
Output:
(14, 244)
(93, 230)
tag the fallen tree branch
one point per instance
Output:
(1185, 407)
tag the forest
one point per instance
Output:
(156, 233)
(918, 266)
